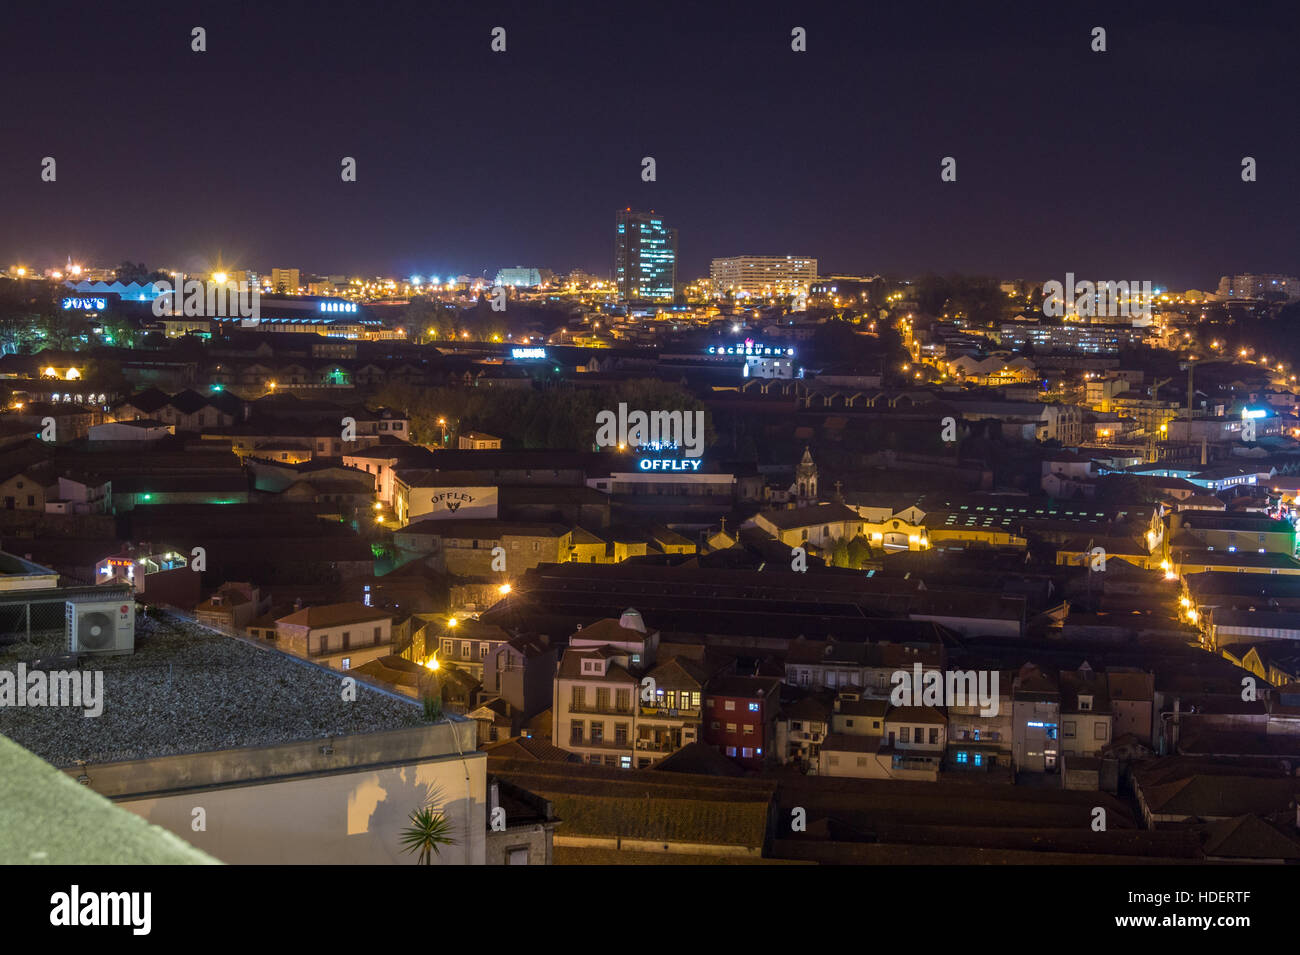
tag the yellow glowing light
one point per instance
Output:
(72, 375)
(432, 663)
(452, 621)
(1192, 616)
(219, 278)
(504, 589)
(51, 373)
(1184, 602)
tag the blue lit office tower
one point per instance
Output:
(645, 257)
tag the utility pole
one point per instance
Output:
(1151, 433)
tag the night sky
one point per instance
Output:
(1122, 165)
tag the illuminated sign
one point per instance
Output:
(750, 347)
(85, 304)
(452, 499)
(338, 306)
(452, 502)
(1253, 413)
(669, 464)
(528, 353)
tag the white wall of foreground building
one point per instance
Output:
(298, 804)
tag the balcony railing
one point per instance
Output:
(650, 746)
(611, 710)
(600, 744)
(671, 713)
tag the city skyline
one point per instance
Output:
(1114, 176)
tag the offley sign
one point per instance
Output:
(452, 500)
(441, 503)
(689, 465)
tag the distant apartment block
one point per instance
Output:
(1251, 285)
(1072, 337)
(764, 275)
(519, 276)
(287, 280)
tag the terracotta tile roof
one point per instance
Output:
(529, 748)
(334, 615)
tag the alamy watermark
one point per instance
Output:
(125, 909)
(191, 298)
(922, 687)
(1099, 299)
(640, 429)
(82, 689)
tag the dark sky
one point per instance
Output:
(1122, 165)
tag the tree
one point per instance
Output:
(429, 831)
(859, 552)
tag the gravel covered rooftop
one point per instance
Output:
(187, 689)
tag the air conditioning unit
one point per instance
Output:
(101, 627)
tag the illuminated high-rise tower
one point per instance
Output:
(645, 256)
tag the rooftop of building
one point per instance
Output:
(189, 690)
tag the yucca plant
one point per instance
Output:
(428, 832)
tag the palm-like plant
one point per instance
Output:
(428, 832)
